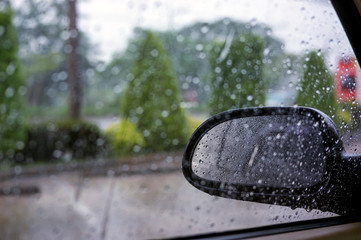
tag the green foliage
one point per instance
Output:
(152, 99)
(41, 69)
(124, 138)
(41, 64)
(65, 140)
(316, 88)
(47, 112)
(12, 89)
(42, 43)
(107, 86)
(43, 50)
(188, 49)
(236, 73)
(194, 123)
(348, 116)
(101, 110)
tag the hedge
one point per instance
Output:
(63, 140)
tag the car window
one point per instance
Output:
(99, 99)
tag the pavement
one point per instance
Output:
(148, 199)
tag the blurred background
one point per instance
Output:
(114, 89)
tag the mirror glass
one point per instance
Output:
(266, 151)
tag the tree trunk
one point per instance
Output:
(74, 82)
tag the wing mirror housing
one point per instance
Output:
(290, 156)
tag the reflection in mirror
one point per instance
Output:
(266, 151)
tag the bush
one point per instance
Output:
(348, 117)
(316, 88)
(65, 140)
(124, 138)
(152, 98)
(194, 123)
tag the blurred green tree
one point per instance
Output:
(12, 89)
(236, 78)
(152, 99)
(316, 88)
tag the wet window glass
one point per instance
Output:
(99, 98)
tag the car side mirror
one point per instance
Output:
(277, 155)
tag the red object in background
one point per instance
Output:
(346, 85)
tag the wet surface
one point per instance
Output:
(143, 206)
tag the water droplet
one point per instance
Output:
(165, 114)
(180, 38)
(199, 47)
(204, 29)
(9, 92)
(154, 53)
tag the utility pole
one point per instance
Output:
(74, 81)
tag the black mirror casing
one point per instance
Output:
(329, 192)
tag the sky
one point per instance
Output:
(299, 24)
